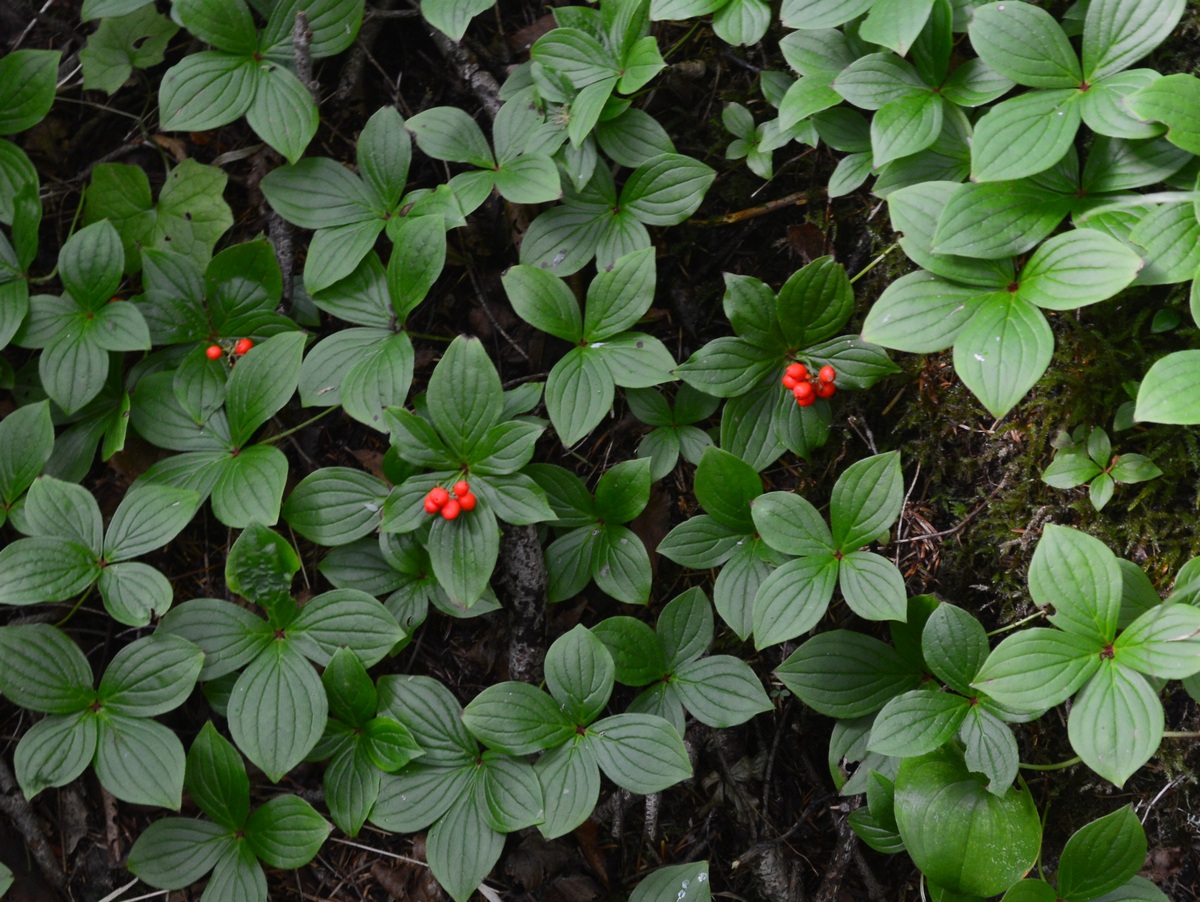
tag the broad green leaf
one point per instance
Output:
(1169, 392)
(954, 645)
(814, 304)
(1117, 33)
(1162, 642)
(318, 193)
(150, 676)
(632, 138)
(685, 627)
(1078, 576)
(895, 23)
(262, 382)
(960, 835)
(1024, 135)
(989, 748)
(27, 83)
(920, 313)
(216, 779)
(511, 794)
(27, 437)
(335, 505)
(998, 219)
(623, 492)
(278, 709)
(333, 23)
(226, 26)
(334, 253)
(725, 487)
(579, 393)
(812, 14)
(45, 569)
(432, 714)
(726, 367)
(872, 586)
(580, 674)
(286, 832)
(846, 674)
(544, 301)
(237, 875)
(175, 852)
(230, 636)
(137, 38)
(448, 133)
(54, 751)
(866, 500)
(1102, 855)
(667, 189)
(1116, 722)
(282, 112)
(1003, 351)
(463, 552)
(682, 882)
(905, 126)
(639, 752)
(352, 696)
(877, 79)
(465, 397)
(418, 255)
(1172, 101)
(140, 761)
(738, 583)
(570, 778)
(344, 618)
(700, 542)
(1038, 668)
(351, 787)
(451, 17)
(1025, 44)
(637, 654)
(205, 90)
(636, 360)
(417, 796)
(148, 517)
(1077, 268)
(621, 566)
(517, 718)
(619, 295)
(721, 691)
(917, 722)
(793, 599)
(249, 486)
(43, 670)
(790, 524)
(462, 848)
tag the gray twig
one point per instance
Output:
(18, 811)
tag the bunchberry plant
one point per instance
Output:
(1085, 458)
(110, 725)
(674, 434)
(69, 550)
(278, 707)
(26, 442)
(284, 832)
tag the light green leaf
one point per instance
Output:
(1116, 722)
(249, 486)
(318, 193)
(1078, 576)
(1003, 351)
(517, 718)
(45, 569)
(1162, 642)
(43, 670)
(846, 674)
(1117, 33)
(905, 126)
(54, 751)
(175, 852)
(335, 505)
(998, 219)
(866, 499)
(544, 301)
(448, 133)
(639, 752)
(721, 691)
(282, 111)
(136, 39)
(1024, 135)
(793, 599)
(463, 552)
(579, 393)
(872, 586)
(579, 674)
(1038, 668)
(1025, 44)
(140, 761)
(1169, 393)
(917, 722)
(27, 83)
(667, 189)
(345, 618)
(1172, 100)
(451, 17)
(1077, 268)
(205, 90)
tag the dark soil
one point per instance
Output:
(762, 807)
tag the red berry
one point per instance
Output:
(827, 374)
(825, 389)
(467, 501)
(213, 352)
(789, 382)
(461, 488)
(804, 392)
(797, 371)
(243, 345)
(808, 401)
(439, 496)
(450, 511)
(431, 507)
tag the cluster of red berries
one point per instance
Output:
(240, 347)
(450, 504)
(805, 389)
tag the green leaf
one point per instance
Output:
(448, 133)
(1116, 722)
(1171, 100)
(27, 83)
(636, 652)
(352, 696)
(917, 722)
(998, 219)
(877, 79)
(140, 761)
(621, 566)
(685, 627)
(905, 126)
(1077, 268)
(462, 848)
(133, 592)
(727, 367)
(43, 670)
(872, 586)
(793, 599)
(465, 397)
(846, 674)
(418, 255)
(1117, 33)
(286, 832)
(619, 295)
(866, 500)
(216, 779)
(1102, 855)
(334, 25)
(150, 676)
(682, 882)
(262, 382)
(700, 542)
(639, 752)
(813, 14)
(432, 714)
(136, 39)
(90, 264)
(960, 835)
(175, 852)
(45, 569)
(518, 719)
(238, 875)
(544, 301)
(249, 486)
(954, 645)
(725, 487)
(318, 193)
(579, 393)
(1038, 668)
(260, 565)
(335, 505)
(54, 751)
(1169, 393)
(721, 691)
(989, 748)
(451, 17)
(1025, 44)
(1024, 135)
(345, 618)
(205, 90)
(27, 439)
(580, 674)
(351, 787)
(632, 138)
(148, 517)
(278, 709)
(1077, 575)
(1003, 351)
(463, 553)
(667, 189)
(1134, 468)
(790, 524)
(230, 636)
(511, 793)
(227, 27)
(895, 23)
(282, 111)
(738, 582)
(814, 304)
(623, 492)
(920, 313)
(1162, 642)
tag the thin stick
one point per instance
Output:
(791, 200)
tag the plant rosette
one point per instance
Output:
(466, 437)
(1086, 457)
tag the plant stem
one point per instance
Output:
(1013, 626)
(76, 606)
(1061, 765)
(1181, 734)
(870, 266)
(282, 435)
